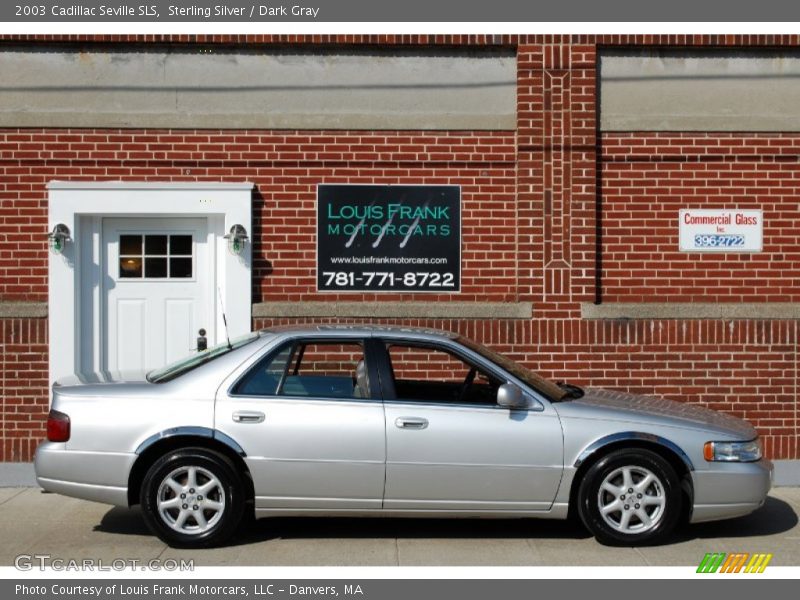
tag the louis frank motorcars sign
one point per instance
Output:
(721, 230)
(389, 238)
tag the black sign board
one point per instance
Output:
(389, 238)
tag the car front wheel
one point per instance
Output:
(192, 498)
(630, 497)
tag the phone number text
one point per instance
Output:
(380, 279)
(718, 241)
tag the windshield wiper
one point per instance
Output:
(573, 391)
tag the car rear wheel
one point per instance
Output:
(630, 497)
(192, 498)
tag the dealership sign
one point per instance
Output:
(382, 238)
(721, 230)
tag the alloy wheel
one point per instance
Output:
(191, 500)
(631, 499)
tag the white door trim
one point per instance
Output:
(73, 305)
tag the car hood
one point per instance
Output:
(621, 406)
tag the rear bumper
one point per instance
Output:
(97, 476)
(728, 490)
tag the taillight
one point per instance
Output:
(57, 426)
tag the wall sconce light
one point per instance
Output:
(236, 239)
(58, 238)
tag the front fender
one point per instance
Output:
(638, 436)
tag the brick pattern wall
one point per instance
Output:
(24, 396)
(648, 177)
(286, 168)
(536, 188)
(556, 115)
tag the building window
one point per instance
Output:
(158, 256)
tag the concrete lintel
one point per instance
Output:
(396, 310)
(194, 186)
(690, 311)
(23, 310)
(379, 122)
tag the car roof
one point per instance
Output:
(364, 329)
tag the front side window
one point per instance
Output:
(427, 374)
(311, 369)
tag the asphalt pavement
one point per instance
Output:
(33, 522)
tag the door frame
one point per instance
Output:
(74, 294)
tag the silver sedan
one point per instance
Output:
(371, 420)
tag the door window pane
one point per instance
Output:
(130, 267)
(436, 375)
(130, 244)
(155, 245)
(180, 267)
(180, 245)
(155, 268)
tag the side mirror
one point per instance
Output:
(510, 396)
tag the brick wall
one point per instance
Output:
(24, 395)
(648, 177)
(530, 215)
(286, 168)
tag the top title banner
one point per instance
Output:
(452, 11)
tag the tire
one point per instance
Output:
(211, 507)
(645, 516)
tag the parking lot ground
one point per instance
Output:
(33, 522)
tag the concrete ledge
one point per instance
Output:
(787, 473)
(410, 121)
(690, 311)
(396, 310)
(17, 475)
(23, 310)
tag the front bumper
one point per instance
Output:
(97, 476)
(727, 490)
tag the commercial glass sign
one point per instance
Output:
(389, 238)
(720, 230)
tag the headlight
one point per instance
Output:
(733, 451)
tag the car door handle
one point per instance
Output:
(411, 422)
(248, 416)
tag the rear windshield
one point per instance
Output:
(537, 382)
(193, 361)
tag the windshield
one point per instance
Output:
(188, 363)
(537, 382)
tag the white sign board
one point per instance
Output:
(721, 230)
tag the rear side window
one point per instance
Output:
(264, 378)
(310, 369)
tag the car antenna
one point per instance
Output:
(224, 319)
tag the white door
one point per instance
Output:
(157, 290)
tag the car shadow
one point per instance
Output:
(775, 517)
(405, 528)
(129, 521)
(123, 521)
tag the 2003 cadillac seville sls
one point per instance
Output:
(370, 420)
